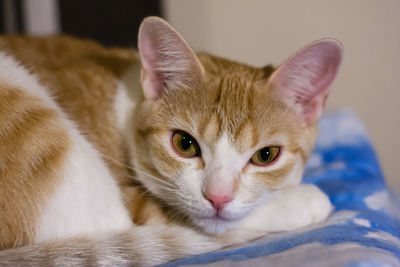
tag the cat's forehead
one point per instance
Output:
(237, 105)
(243, 111)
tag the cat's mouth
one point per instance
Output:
(218, 216)
(217, 223)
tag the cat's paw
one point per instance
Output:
(298, 207)
(302, 206)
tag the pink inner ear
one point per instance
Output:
(167, 60)
(305, 77)
(149, 55)
(151, 82)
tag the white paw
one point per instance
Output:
(303, 206)
(290, 210)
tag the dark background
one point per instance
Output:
(110, 22)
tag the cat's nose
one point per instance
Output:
(219, 201)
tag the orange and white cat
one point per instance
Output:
(113, 157)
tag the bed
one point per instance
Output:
(364, 229)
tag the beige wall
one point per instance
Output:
(267, 31)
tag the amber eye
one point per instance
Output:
(265, 156)
(185, 145)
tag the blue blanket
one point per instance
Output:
(364, 229)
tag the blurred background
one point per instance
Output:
(256, 32)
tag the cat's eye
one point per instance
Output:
(184, 144)
(265, 156)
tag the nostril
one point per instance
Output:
(219, 201)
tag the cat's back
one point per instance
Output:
(57, 115)
(79, 74)
(85, 79)
(59, 51)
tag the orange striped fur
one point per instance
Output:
(32, 147)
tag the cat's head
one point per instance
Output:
(215, 138)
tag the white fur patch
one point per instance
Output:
(123, 106)
(224, 163)
(88, 199)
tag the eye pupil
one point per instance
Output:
(265, 154)
(186, 142)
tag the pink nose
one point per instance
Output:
(219, 201)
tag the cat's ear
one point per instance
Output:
(304, 79)
(167, 60)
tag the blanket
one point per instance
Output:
(363, 230)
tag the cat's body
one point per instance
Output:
(85, 156)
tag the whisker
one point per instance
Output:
(158, 180)
(165, 183)
(175, 210)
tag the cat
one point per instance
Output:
(112, 156)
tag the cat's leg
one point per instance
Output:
(290, 209)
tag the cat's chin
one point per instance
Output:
(214, 225)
